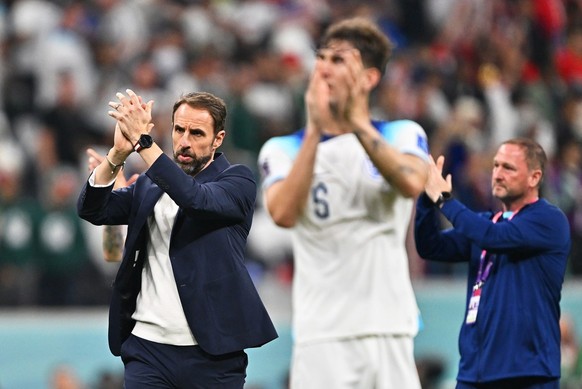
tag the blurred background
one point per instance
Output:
(473, 73)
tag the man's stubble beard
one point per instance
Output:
(193, 167)
(505, 196)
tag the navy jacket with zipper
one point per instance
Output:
(517, 332)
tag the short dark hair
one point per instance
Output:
(364, 35)
(207, 101)
(535, 156)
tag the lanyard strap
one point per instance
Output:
(485, 268)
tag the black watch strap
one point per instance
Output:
(443, 197)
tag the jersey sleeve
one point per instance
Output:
(276, 158)
(407, 136)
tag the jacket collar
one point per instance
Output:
(217, 166)
(154, 192)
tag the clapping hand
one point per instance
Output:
(95, 159)
(133, 117)
(436, 183)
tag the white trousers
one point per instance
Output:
(371, 362)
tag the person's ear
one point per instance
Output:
(373, 77)
(218, 139)
(535, 178)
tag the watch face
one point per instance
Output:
(145, 141)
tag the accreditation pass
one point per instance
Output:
(474, 304)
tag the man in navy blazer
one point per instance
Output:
(183, 306)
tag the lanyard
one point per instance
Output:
(485, 268)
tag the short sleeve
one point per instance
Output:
(407, 136)
(276, 158)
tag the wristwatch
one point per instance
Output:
(444, 196)
(145, 142)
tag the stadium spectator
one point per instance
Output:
(569, 57)
(65, 128)
(67, 275)
(64, 377)
(563, 187)
(20, 216)
(571, 354)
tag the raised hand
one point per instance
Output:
(356, 110)
(436, 183)
(317, 102)
(133, 116)
(94, 159)
(121, 143)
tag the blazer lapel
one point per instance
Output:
(147, 201)
(217, 166)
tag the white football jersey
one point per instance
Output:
(351, 269)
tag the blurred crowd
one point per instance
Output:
(471, 72)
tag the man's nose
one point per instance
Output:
(323, 67)
(184, 143)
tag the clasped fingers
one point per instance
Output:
(133, 116)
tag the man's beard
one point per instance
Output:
(195, 166)
(506, 196)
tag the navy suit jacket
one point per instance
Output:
(207, 251)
